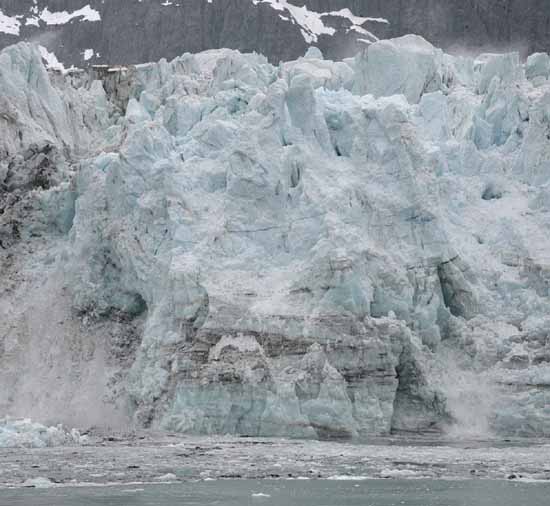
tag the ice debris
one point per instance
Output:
(38, 482)
(28, 434)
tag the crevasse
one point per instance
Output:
(316, 249)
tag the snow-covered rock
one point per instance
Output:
(308, 248)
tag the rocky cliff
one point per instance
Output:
(317, 249)
(136, 31)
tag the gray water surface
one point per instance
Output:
(292, 493)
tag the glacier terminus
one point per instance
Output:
(316, 249)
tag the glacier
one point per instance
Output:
(318, 249)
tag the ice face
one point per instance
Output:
(406, 66)
(538, 67)
(318, 249)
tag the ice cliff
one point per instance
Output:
(317, 249)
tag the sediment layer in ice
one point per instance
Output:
(315, 249)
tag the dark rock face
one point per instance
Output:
(133, 31)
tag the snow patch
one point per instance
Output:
(51, 60)
(63, 17)
(312, 23)
(9, 24)
(52, 18)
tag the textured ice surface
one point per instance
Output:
(317, 249)
(27, 434)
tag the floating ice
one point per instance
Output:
(39, 482)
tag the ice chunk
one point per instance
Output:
(538, 66)
(323, 73)
(313, 53)
(407, 65)
(505, 67)
(39, 482)
(434, 109)
(136, 113)
(25, 433)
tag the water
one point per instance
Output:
(292, 493)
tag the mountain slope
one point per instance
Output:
(135, 31)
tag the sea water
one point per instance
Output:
(293, 493)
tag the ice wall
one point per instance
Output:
(295, 250)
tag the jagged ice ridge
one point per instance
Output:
(315, 249)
